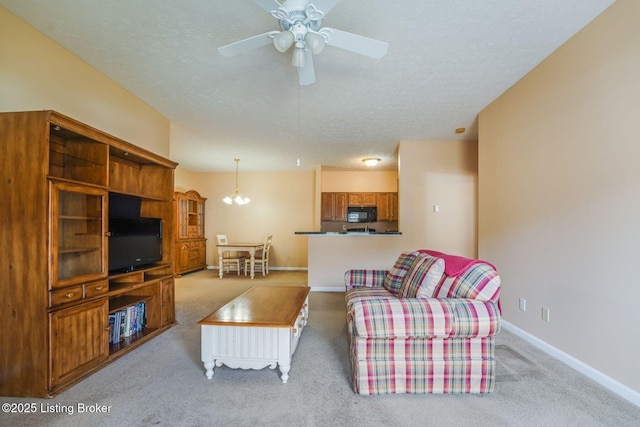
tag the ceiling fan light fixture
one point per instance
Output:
(283, 41)
(314, 41)
(298, 58)
(371, 161)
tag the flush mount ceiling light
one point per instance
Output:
(236, 197)
(300, 25)
(371, 161)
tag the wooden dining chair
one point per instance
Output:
(261, 261)
(230, 261)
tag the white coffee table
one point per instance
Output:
(259, 328)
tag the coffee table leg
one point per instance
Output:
(209, 367)
(206, 349)
(285, 373)
(284, 353)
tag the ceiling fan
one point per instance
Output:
(300, 27)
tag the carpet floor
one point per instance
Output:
(163, 382)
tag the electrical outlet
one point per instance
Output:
(523, 304)
(545, 314)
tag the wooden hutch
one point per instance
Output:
(57, 294)
(191, 245)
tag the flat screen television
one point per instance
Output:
(134, 243)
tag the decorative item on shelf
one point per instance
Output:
(371, 161)
(236, 197)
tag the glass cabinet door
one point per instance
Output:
(183, 209)
(200, 219)
(78, 234)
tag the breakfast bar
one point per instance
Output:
(330, 254)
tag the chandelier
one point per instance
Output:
(236, 197)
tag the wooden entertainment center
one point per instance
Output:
(57, 294)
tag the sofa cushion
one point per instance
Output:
(481, 281)
(395, 276)
(424, 275)
(365, 293)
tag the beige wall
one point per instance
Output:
(560, 195)
(442, 174)
(359, 181)
(281, 204)
(38, 74)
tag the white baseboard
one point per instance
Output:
(215, 267)
(326, 289)
(602, 379)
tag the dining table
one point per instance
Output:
(252, 248)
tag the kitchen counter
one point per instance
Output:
(331, 253)
(352, 233)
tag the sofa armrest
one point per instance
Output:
(474, 318)
(390, 318)
(364, 278)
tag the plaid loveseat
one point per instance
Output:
(423, 326)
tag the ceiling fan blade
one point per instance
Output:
(324, 5)
(268, 5)
(357, 44)
(246, 45)
(307, 74)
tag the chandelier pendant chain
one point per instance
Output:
(236, 197)
(298, 131)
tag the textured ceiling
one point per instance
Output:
(447, 60)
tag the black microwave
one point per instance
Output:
(362, 214)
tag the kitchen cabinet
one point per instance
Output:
(362, 199)
(387, 204)
(334, 207)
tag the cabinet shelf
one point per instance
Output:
(77, 250)
(130, 281)
(118, 303)
(79, 218)
(129, 341)
(142, 275)
(62, 160)
(117, 288)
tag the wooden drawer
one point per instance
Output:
(96, 288)
(192, 231)
(66, 295)
(76, 293)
